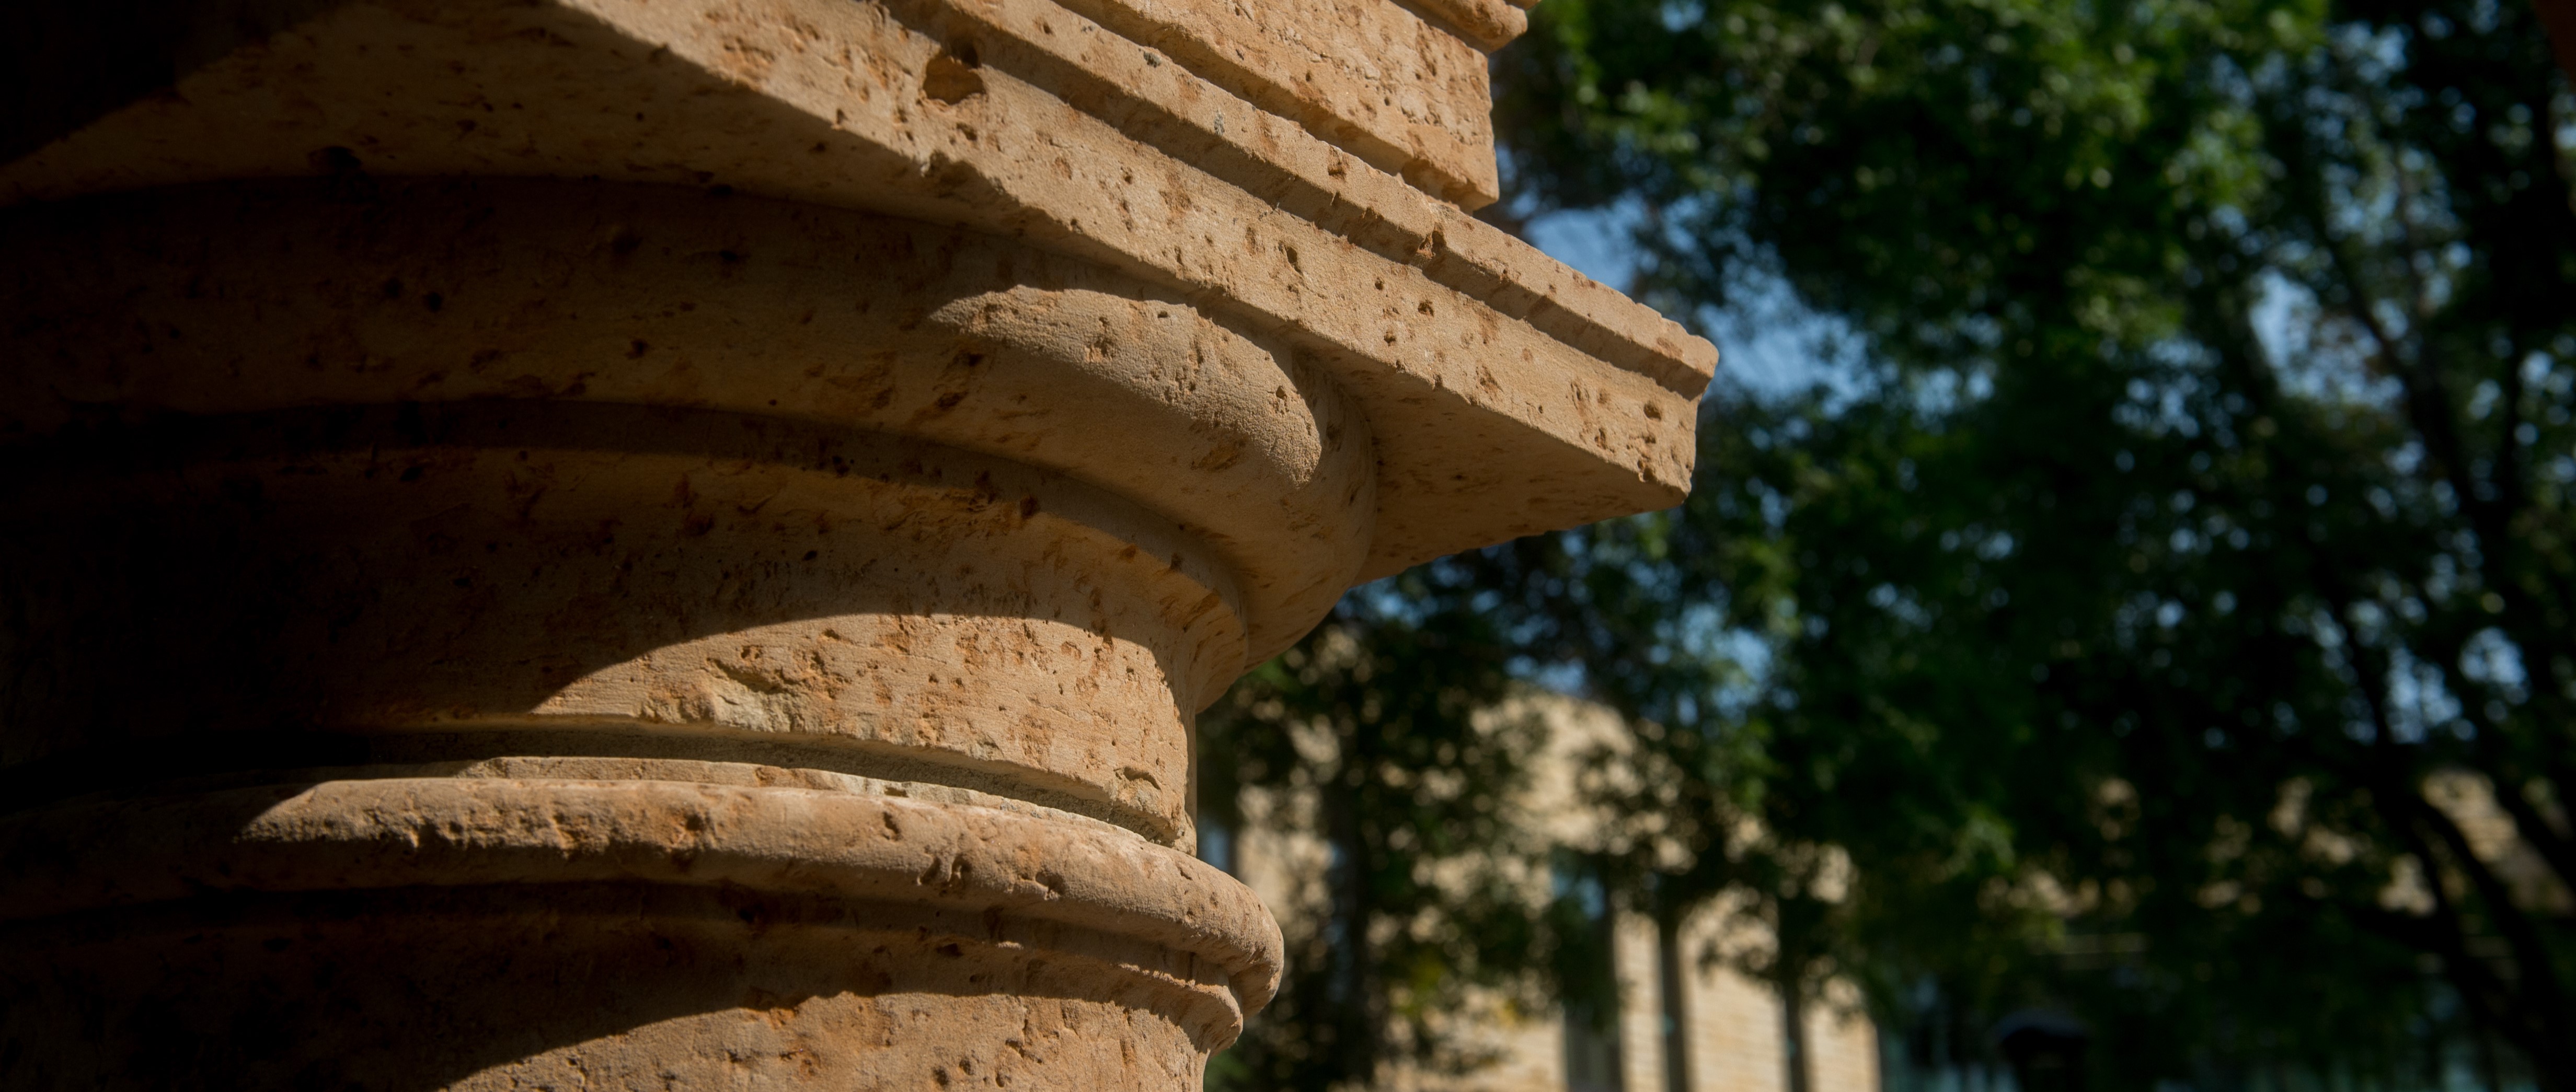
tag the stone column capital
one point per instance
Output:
(662, 543)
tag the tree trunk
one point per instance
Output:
(1673, 980)
(2560, 17)
(1353, 980)
(1793, 1032)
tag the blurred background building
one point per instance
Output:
(1686, 1020)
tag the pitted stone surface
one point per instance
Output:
(1135, 186)
(967, 611)
(460, 832)
(445, 293)
(1370, 77)
(675, 543)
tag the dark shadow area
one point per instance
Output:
(66, 63)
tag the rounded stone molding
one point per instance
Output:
(785, 932)
(509, 565)
(584, 986)
(240, 298)
(989, 864)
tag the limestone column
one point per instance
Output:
(676, 543)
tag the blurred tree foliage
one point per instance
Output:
(2166, 601)
(1384, 737)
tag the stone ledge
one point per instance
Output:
(1367, 76)
(441, 832)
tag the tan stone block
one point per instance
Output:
(1368, 76)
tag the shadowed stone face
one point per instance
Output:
(629, 544)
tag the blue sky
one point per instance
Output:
(1770, 344)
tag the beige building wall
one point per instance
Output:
(1641, 1003)
(1845, 1043)
(1735, 1036)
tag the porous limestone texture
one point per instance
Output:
(675, 543)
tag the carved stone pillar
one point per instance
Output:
(675, 543)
